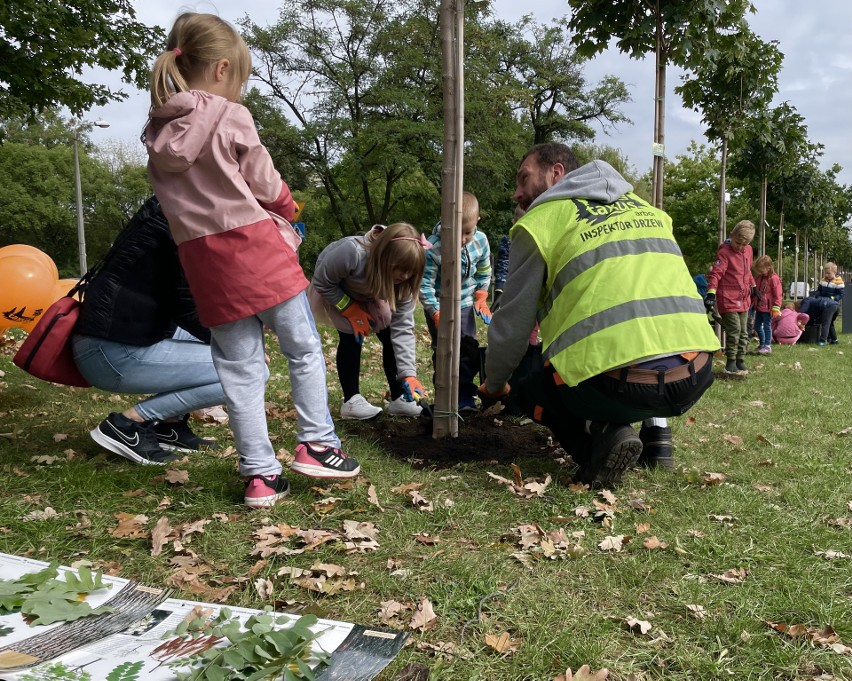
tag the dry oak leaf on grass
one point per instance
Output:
(443, 649)
(642, 626)
(130, 526)
(732, 439)
(424, 618)
(697, 611)
(732, 576)
(824, 637)
(324, 578)
(528, 488)
(392, 609)
(614, 542)
(502, 643)
(373, 497)
(584, 673)
(654, 543)
(831, 554)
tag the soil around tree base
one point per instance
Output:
(480, 438)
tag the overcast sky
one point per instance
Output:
(816, 76)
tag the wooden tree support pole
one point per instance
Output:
(446, 420)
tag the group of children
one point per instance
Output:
(735, 285)
(229, 212)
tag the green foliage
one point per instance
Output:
(38, 204)
(43, 599)
(46, 44)
(355, 107)
(263, 649)
(128, 671)
(735, 75)
(56, 672)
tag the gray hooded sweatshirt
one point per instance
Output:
(508, 334)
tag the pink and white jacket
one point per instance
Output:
(788, 327)
(228, 208)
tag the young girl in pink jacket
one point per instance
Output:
(229, 211)
(768, 305)
(729, 286)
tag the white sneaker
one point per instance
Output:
(402, 407)
(357, 408)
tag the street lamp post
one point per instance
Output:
(81, 230)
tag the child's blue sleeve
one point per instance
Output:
(482, 276)
(429, 286)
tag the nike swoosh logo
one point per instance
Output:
(131, 441)
(171, 437)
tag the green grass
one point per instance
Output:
(785, 484)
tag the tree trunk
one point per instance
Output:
(780, 271)
(805, 262)
(796, 269)
(761, 244)
(723, 208)
(659, 117)
(446, 420)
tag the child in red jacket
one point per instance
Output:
(730, 286)
(768, 305)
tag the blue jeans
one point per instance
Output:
(239, 356)
(763, 322)
(179, 370)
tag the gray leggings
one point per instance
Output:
(239, 358)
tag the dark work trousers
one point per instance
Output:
(469, 359)
(349, 364)
(537, 391)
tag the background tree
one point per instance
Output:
(355, 99)
(774, 142)
(737, 74)
(46, 44)
(676, 31)
(38, 203)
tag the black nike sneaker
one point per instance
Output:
(134, 441)
(178, 436)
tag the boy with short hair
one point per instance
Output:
(475, 265)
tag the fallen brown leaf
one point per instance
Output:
(424, 618)
(502, 643)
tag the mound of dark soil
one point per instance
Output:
(480, 438)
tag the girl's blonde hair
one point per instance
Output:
(743, 227)
(398, 246)
(764, 261)
(197, 42)
(830, 267)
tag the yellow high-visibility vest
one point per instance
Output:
(618, 290)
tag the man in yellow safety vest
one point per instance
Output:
(624, 332)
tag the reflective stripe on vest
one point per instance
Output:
(589, 259)
(622, 313)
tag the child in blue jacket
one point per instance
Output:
(475, 263)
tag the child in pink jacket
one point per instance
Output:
(768, 304)
(789, 325)
(730, 286)
(229, 211)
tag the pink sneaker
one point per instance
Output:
(317, 461)
(263, 491)
(764, 350)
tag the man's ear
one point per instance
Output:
(558, 172)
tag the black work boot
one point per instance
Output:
(741, 364)
(731, 366)
(656, 447)
(614, 448)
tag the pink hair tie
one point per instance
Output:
(178, 52)
(422, 240)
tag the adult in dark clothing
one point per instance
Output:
(139, 333)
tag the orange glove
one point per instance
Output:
(487, 399)
(436, 317)
(480, 306)
(360, 320)
(776, 312)
(412, 389)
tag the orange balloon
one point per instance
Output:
(32, 252)
(62, 287)
(26, 291)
